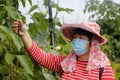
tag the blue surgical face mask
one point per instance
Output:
(79, 46)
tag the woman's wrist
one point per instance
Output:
(26, 39)
(25, 34)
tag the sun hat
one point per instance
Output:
(68, 29)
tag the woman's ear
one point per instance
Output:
(94, 38)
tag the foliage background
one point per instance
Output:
(15, 64)
(108, 17)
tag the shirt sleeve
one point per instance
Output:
(47, 60)
(108, 73)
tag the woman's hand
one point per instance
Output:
(18, 27)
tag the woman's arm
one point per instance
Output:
(49, 61)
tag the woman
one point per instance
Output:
(86, 61)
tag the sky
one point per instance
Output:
(75, 17)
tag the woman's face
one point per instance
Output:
(84, 37)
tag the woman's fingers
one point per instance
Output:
(15, 29)
(15, 26)
(19, 22)
(18, 27)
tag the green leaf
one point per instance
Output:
(26, 63)
(68, 10)
(4, 69)
(39, 75)
(15, 39)
(23, 2)
(33, 8)
(2, 36)
(9, 2)
(48, 76)
(9, 58)
(1, 49)
(30, 1)
(12, 12)
(2, 15)
(28, 77)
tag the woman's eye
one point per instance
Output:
(83, 38)
(80, 38)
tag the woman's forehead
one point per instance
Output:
(79, 34)
(80, 31)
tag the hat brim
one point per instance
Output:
(68, 29)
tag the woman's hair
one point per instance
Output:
(83, 32)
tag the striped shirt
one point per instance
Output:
(52, 62)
